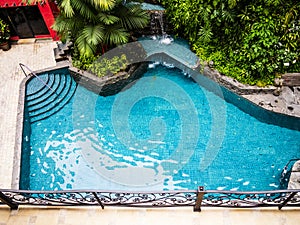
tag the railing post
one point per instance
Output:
(98, 200)
(200, 194)
(287, 200)
(8, 201)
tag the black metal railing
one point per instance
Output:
(195, 198)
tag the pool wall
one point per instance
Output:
(108, 85)
(235, 86)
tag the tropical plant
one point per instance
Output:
(4, 31)
(100, 66)
(251, 40)
(106, 67)
(82, 61)
(96, 24)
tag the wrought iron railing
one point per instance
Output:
(196, 199)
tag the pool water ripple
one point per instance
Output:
(153, 137)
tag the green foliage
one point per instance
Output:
(105, 66)
(82, 61)
(251, 41)
(4, 31)
(93, 24)
(100, 65)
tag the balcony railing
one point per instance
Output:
(195, 198)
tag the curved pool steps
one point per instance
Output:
(48, 97)
(37, 88)
(38, 97)
(44, 102)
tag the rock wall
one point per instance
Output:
(235, 86)
(108, 85)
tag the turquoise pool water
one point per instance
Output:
(164, 132)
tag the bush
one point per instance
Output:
(252, 41)
(105, 66)
(4, 31)
(100, 66)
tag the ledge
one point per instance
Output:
(234, 85)
(291, 79)
(294, 181)
(280, 99)
(108, 85)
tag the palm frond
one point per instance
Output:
(85, 9)
(84, 47)
(205, 35)
(116, 35)
(132, 16)
(228, 15)
(64, 25)
(93, 34)
(66, 7)
(104, 4)
(107, 19)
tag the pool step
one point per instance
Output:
(50, 96)
(43, 94)
(37, 87)
(42, 101)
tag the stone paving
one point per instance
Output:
(134, 216)
(36, 56)
(288, 102)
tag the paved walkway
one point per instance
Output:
(133, 216)
(36, 56)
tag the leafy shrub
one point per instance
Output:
(98, 65)
(82, 61)
(4, 31)
(105, 66)
(252, 41)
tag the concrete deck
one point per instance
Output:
(38, 56)
(175, 216)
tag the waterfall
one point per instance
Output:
(158, 28)
(161, 23)
(157, 23)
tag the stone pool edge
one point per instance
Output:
(271, 98)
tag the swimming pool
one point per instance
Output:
(165, 132)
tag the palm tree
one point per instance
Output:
(93, 24)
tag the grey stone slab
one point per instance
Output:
(36, 56)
